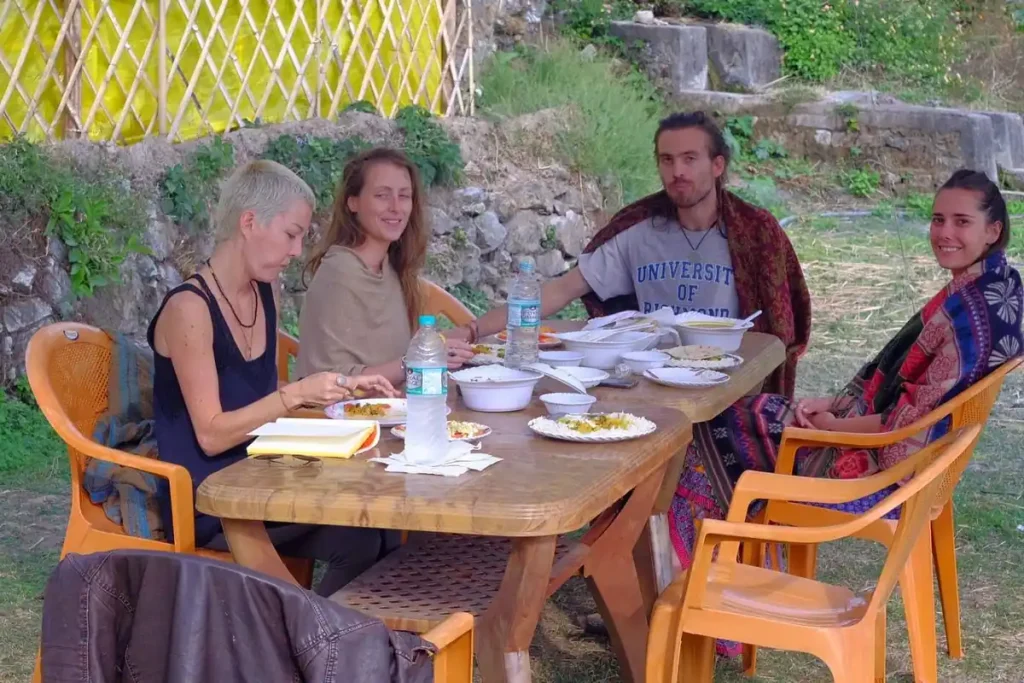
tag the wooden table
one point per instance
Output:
(656, 560)
(541, 489)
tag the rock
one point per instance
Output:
(55, 284)
(675, 56)
(469, 195)
(645, 16)
(897, 141)
(1008, 138)
(490, 233)
(589, 52)
(444, 266)
(504, 206)
(742, 58)
(551, 264)
(7, 346)
(160, 235)
(571, 232)
(490, 275)
(24, 278)
(471, 265)
(440, 222)
(1013, 178)
(529, 195)
(57, 250)
(823, 137)
(25, 314)
(525, 231)
(5, 291)
(474, 209)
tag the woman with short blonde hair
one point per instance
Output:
(214, 342)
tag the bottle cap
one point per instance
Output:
(526, 266)
(427, 321)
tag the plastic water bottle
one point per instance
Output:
(523, 317)
(426, 388)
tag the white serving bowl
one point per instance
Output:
(588, 377)
(567, 404)
(702, 331)
(639, 361)
(560, 359)
(495, 388)
(604, 355)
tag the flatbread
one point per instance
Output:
(696, 352)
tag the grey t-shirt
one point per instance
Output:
(655, 261)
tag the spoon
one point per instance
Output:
(749, 319)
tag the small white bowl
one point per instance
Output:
(639, 361)
(567, 404)
(561, 359)
(588, 377)
(604, 355)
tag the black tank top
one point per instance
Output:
(242, 382)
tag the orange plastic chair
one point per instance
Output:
(68, 366)
(436, 302)
(725, 599)
(970, 407)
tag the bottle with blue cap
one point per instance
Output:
(523, 317)
(426, 388)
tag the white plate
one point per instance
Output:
(399, 431)
(546, 426)
(726, 362)
(396, 415)
(686, 377)
(490, 358)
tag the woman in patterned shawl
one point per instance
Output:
(966, 330)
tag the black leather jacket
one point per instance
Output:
(153, 617)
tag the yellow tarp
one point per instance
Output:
(211, 106)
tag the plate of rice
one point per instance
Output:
(593, 427)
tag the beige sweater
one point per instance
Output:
(352, 318)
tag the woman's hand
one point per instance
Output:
(824, 421)
(320, 389)
(459, 333)
(459, 352)
(377, 385)
(808, 407)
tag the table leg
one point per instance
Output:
(504, 632)
(612, 576)
(250, 547)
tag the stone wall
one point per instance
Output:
(513, 202)
(922, 145)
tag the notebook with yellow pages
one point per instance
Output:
(315, 437)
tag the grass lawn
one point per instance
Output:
(867, 279)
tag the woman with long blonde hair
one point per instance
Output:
(364, 295)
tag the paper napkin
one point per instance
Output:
(459, 459)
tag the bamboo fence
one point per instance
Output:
(123, 70)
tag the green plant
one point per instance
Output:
(737, 132)
(848, 112)
(459, 238)
(317, 160)
(762, 191)
(856, 152)
(550, 239)
(190, 188)
(916, 40)
(92, 211)
(608, 122)
(429, 147)
(766, 149)
(861, 182)
(919, 205)
(364, 106)
(1015, 207)
(473, 299)
(588, 21)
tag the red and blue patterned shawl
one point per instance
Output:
(766, 270)
(963, 333)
